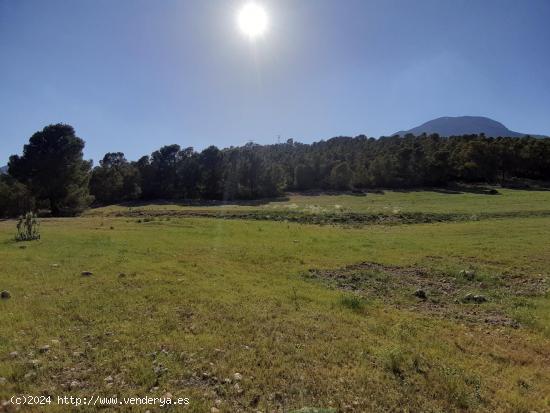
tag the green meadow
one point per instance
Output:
(257, 315)
(385, 202)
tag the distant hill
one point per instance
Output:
(465, 125)
(3, 169)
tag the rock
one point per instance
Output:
(14, 354)
(480, 298)
(468, 274)
(237, 376)
(44, 349)
(108, 379)
(3, 380)
(54, 341)
(30, 375)
(238, 388)
(167, 395)
(74, 384)
(421, 294)
(471, 298)
(218, 402)
(86, 273)
(214, 410)
(4, 295)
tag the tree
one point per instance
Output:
(250, 170)
(210, 161)
(53, 168)
(341, 176)
(164, 164)
(188, 173)
(304, 177)
(272, 181)
(15, 198)
(146, 177)
(115, 179)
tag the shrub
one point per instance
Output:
(28, 227)
(15, 198)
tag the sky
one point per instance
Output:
(133, 75)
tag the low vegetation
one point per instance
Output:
(28, 227)
(244, 315)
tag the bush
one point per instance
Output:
(15, 198)
(28, 227)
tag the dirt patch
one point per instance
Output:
(325, 218)
(433, 292)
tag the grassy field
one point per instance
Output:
(388, 202)
(307, 315)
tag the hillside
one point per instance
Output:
(465, 125)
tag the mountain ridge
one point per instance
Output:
(465, 125)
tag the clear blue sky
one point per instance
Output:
(132, 75)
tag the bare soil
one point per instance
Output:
(445, 293)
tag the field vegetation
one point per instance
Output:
(271, 315)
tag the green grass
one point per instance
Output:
(202, 299)
(423, 201)
(389, 202)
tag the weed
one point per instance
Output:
(28, 227)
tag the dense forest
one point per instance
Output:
(52, 173)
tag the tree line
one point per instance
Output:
(52, 173)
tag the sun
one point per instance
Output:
(252, 20)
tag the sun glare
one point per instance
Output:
(252, 20)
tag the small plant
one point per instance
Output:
(352, 302)
(395, 361)
(295, 298)
(28, 227)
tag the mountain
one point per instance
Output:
(3, 170)
(465, 125)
